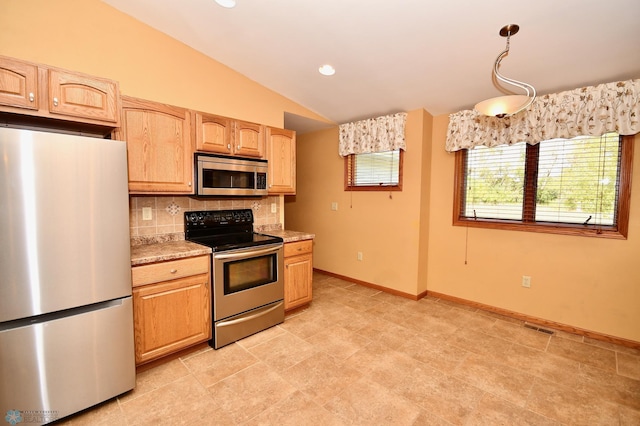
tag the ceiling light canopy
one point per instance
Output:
(327, 70)
(226, 3)
(504, 106)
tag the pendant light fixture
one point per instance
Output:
(504, 106)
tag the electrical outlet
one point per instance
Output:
(360, 255)
(147, 213)
(274, 208)
(334, 206)
(526, 281)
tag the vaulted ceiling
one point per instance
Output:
(400, 55)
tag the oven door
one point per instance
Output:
(246, 279)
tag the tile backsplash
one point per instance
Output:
(167, 213)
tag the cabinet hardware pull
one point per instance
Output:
(189, 183)
(238, 148)
(31, 97)
(55, 101)
(173, 271)
(228, 146)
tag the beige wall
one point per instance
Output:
(588, 283)
(386, 230)
(92, 37)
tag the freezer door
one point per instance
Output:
(55, 368)
(64, 222)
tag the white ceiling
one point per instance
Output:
(401, 55)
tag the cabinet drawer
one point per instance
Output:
(171, 270)
(298, 247)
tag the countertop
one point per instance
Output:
(290, 236)
(159, 252)
(142, 254)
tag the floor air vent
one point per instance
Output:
(536, 328)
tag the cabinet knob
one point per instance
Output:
(32, 97)
(228, 146)
(189, 184)
(173, 271)
(238, 147)
(55, 101)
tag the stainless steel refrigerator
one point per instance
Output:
(66, 318)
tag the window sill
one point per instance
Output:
(374, 188)
(546, 228)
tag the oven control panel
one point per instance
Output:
(214, 218)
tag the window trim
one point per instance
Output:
(347, 167)
(618, 231)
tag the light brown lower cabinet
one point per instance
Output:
(298, 273)
(171, 306)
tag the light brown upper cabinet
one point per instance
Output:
(281, 156)
(159, 147)
(18, 84)
(222, 135)
(77, 95)
(38, 90)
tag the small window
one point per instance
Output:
(376, 171)
(578, 186)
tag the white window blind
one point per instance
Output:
(566, 181)
(495, 182)
(578, 180)
(375, 169)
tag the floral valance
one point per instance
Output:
(594, 110)
(380, 134)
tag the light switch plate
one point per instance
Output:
(147, 213)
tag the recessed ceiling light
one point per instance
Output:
(327, 70)
(227, 3)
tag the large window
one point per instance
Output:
(376, 171)
(578, 186)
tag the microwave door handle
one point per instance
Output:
(244, 254)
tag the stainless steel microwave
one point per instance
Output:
(219, 175)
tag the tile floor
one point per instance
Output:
(361, 357)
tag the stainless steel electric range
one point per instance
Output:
(247, 273)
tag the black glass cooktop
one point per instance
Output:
(225, 230)
(236, 241)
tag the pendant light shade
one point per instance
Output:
(504, 106)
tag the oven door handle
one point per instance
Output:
(249, 317)
(249, 253)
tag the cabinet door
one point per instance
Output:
(78, 95)
(213, 133)
(249, 139)
(281, 153)
(18, 84)
(171, 316)
(159, 149)
(298, 276)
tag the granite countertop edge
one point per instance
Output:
(162, 251)
(290, 236)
